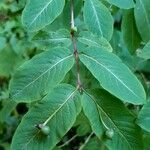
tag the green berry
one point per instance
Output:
(109, 133)
(45, 130)
(74, 29)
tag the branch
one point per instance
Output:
(67, 142)
(72, 33)
(86, 141)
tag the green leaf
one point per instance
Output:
(82, 124)
(61, 38)
(145, 52)
(144, 117)
(37, 15)
(98, 18)
(8, 106)
(142, 17)
(43, 72)
(127, 135)
(9, 61)
(58, 109)
(92, 113)
(95, 144)
(2, 42)
(146, 139)
(126, 4)
(92, 40)
(130, 34)
(113, 75)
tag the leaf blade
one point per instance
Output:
(122, 4)
(144, 117)
(51, 39)
(37, 15)
(94, 41)
(43, 72)
(142, 17)
(113, 75)
(61, 105)
(92, 114)
(115, 115)
(98, 18)
(130, 34)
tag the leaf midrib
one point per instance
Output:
(42, 74)
(52, 39)
(111, 73)
(97, 19)
(55, 112)
(101, 109)
(45, 7)
(119, 130)
(83, 38)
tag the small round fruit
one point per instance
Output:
(74, 29)
(45, 130)
(109, 133)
